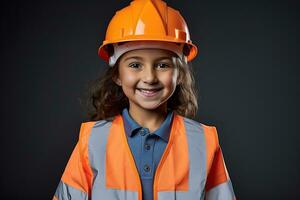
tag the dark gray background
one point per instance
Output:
(247, 72)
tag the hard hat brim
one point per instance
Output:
(102, 52)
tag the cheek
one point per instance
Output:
(169, 79)
(129, 80)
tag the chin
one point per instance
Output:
(149, 106)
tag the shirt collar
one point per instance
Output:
(163, 131)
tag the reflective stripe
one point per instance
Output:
(224, 191)
(65, 191)
(197, 154)
(100, 134)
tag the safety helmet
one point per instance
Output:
(147, 20)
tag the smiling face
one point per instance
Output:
(148, 77)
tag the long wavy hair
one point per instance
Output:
(105, 99)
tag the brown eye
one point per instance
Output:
(134, 65)
(162, 65)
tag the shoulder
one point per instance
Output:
(209, 131)
(197, 124)
(88, 127)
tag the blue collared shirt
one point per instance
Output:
(147, 148)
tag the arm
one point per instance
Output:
(76, 180)
(218, 185)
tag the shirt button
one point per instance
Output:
(147, 146)
(142, 132)
(146, 168)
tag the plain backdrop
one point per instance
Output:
(247, 74)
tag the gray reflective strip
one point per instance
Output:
(197, 159)
(223, 191)
(65, 191)
(97, 156)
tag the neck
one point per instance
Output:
(151, 119)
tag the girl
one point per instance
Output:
(140, 143)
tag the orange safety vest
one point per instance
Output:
(102, 167)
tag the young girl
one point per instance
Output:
(140, 143)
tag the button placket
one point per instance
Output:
(147, 158)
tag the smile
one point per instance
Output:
(148, 92)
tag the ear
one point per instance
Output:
(179, 78)
(117, 81)
(178, 82)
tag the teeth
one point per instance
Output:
(148, 91)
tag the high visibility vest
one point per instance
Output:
(101, 166)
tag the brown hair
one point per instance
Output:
(105, 98)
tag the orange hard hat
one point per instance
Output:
(148, 20)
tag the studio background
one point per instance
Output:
(247, 74)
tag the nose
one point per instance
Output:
(149, 75)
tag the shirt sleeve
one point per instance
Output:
(218, 185)
(76, 180)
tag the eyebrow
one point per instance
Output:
(141, 58)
